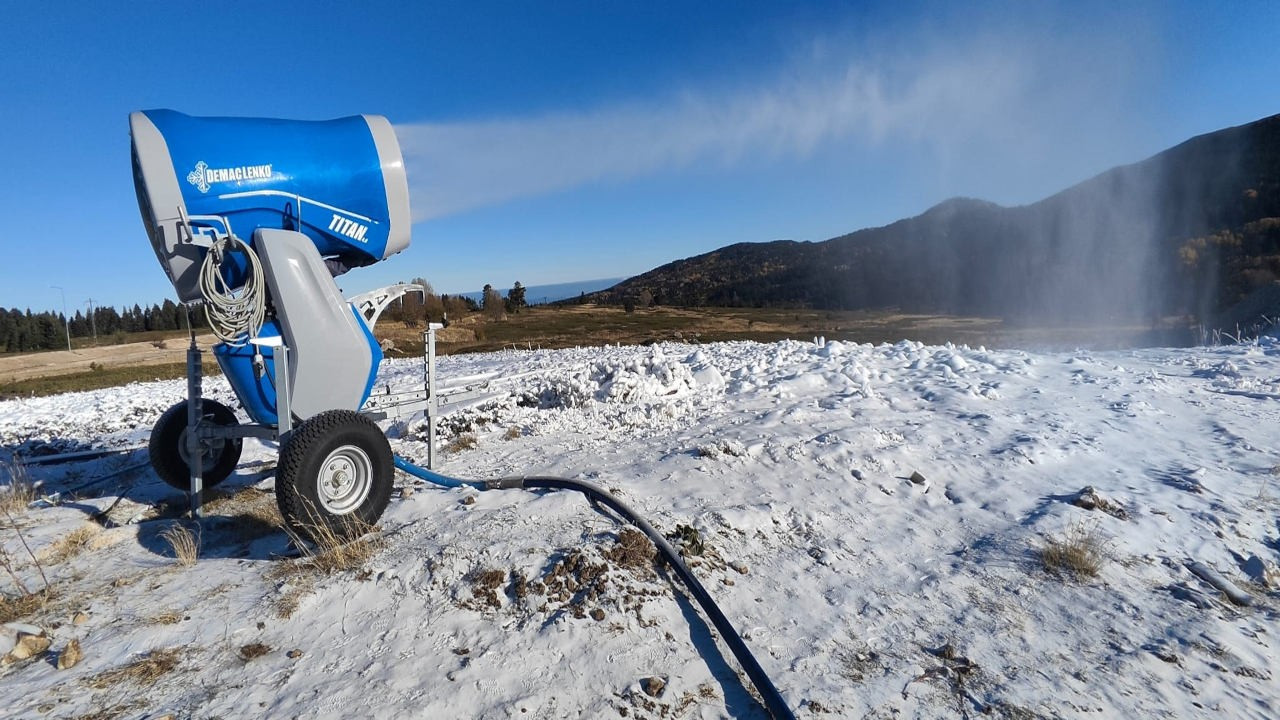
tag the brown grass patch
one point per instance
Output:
(632, 550)
(17, 480)
(251, 513)
(484, 588)
(1080, 551)
(73, 543)
(253, 650)
(143, 671)
(248, 501)
(466, 441)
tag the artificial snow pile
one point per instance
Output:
(891, 529)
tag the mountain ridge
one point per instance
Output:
(1186, 231)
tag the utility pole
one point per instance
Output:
(93, 322)
(66, 322)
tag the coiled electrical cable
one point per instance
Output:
(235, 314)
(773, 700)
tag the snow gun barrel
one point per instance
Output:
(339, 182)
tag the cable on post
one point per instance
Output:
(235, 314)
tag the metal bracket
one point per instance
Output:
(371, 304)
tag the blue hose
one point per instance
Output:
(431, 477)
(773, 700)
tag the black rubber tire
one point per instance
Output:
(167, 446)
(307, 457)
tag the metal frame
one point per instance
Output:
(205, 432)
(398, 406)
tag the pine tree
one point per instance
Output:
(515, 298)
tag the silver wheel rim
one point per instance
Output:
(346, 476)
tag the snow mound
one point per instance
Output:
(636, 380)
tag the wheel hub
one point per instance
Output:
(346, 476)
(209, 451)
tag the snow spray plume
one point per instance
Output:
(995, 101)
(459, 166)
(998, 104)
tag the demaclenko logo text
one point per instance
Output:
(204, 176)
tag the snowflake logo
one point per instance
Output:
(198, 178)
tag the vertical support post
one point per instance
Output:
(432, 406)
(284, 409)
(195, 414)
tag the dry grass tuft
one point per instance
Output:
(1080, 551)
(73, 544)
(19, 491)
(186, 547)
(170, 617)
(327, 553)
(513, 432)
(143, 671)
(287, 603)
(111, 712)
(462, 442)
(22, 606)
(16, 501)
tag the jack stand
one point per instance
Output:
(195, 414)
(433, 403)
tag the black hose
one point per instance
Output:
(772, 698)
(768, 693)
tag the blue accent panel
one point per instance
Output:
(321, 178)
(375, 351)
(256, 394)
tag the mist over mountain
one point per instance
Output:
(1190, 232)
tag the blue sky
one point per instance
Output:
(554, 142)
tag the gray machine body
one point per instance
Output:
(160, 200)
(330, 358)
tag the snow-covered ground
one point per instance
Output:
(863, 592)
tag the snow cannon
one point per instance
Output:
(340, 183)
(252, 219)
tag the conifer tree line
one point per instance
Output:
(25, 331)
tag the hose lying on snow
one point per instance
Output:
(772, 698)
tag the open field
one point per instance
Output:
(586, 325)
(549, 327)
(91, 368)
